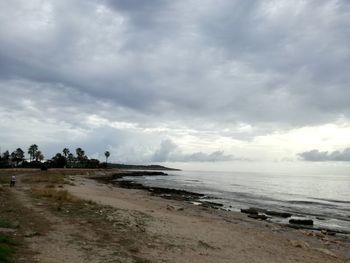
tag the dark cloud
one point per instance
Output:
(170, 152)
(325, 156)
(232, 60)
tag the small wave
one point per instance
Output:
(190, 180)
(332, 200)
(300, 202)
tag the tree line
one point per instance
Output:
(64, 159)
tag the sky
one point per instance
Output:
(195, 82)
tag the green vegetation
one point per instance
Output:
(5, 223)
(6, 249)
(66, 159)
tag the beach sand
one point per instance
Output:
(78, 219)
(199, 234)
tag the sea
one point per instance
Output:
(324, 198)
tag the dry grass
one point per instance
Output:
(16, 171)
(54, 194)
(5, 174)
(5, 179)
(51, 178)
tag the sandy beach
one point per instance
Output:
(103, 223)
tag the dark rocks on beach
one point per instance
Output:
(130, 184)
(166, 193)
(278, 214)
(307, 222)
(256, 210)
(254, 213)
(251, 211)
(328, 232)
(139, 173)
(211, 204)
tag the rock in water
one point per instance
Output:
(278, 214)
(307, 222)
(250, 211)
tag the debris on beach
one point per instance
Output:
(299, 243)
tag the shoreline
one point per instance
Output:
(75, 218)
(195, 198)
(186, 220)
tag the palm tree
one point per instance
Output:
(80, 153)
(32, 151)
(107, 154)
(80, 156)
(66, 152)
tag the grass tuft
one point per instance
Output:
(52, 178)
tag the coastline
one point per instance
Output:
(225, 232)
(99, 222)
(199, 199)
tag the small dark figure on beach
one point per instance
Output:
(13, 181)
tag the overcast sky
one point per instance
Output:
(177, 81)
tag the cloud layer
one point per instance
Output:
(170, 152)
(127, 75)
(325, 156)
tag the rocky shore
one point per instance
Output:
(197, 198)
(167, 193)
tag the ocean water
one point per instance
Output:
(325, 198)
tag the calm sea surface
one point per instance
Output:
(324, 198)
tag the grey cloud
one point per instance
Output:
(167, 147)
(325, 156)
(170, 152)
(220, 62)
(208, 66)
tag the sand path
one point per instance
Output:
(57, 245)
